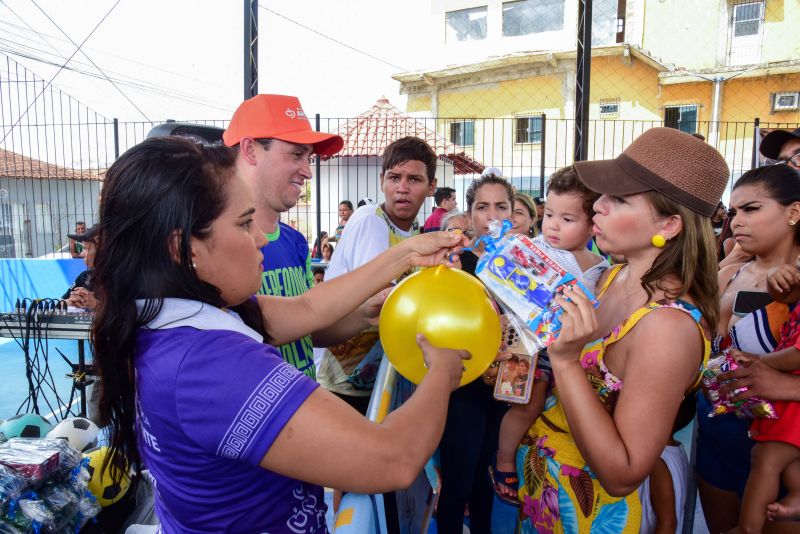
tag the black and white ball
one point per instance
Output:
(80, 432)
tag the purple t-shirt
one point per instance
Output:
(210, 403)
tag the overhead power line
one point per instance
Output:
(328, 37)
(24, 50)
(92, 61)
(43, 36)
(12, 47)
(23, 114)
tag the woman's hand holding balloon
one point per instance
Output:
(438, 359)
(578, 326)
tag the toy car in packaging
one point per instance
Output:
(524, 279)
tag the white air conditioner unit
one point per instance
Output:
(786, 101)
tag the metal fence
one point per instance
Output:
(54, 152)
(50, 177)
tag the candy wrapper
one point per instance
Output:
(525, 280)
(721, 404)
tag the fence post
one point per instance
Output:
(583, 75)
(756, 143)
(542, 147)
(116, 139)
(318, 179)
(250, 48)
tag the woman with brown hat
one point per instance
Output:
(644, 346)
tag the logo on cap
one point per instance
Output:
(295, 114)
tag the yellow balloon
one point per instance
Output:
(452, 309)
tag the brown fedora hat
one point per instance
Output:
(677, 165)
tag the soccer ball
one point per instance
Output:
(79, 432)
(25, 425)
(102, 484)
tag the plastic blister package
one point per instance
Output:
(524, 279)
(721, 404)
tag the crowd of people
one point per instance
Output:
(209, 309)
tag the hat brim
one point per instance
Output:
(88, 235)
(324, 144)
(608, 177)
(82, 237)
(772, 143)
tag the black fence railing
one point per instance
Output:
(51, 174)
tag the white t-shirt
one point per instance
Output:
(566, 260)
(368, 233)
(678, 464)
(365, 236)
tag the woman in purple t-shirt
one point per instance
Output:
(235, 438)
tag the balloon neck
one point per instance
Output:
(497, 230)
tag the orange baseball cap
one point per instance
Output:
(278, 117)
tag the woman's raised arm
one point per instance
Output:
(291, 318)
(364, 456)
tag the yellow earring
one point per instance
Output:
(658, 241)
(792, 223)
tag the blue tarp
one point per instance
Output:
(36, 279)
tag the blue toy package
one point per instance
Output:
(524, 280)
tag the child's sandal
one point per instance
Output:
(504, 478)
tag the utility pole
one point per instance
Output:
(250, 48)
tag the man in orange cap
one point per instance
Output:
(275, 142)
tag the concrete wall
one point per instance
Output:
(36, 215)
(668, 25)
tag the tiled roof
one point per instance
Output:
(370, 133)
(13, 165)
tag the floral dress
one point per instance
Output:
(558, 491)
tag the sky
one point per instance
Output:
(183, 60)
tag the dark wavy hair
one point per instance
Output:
(489, 179)
(155, 198)
(782, 183)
